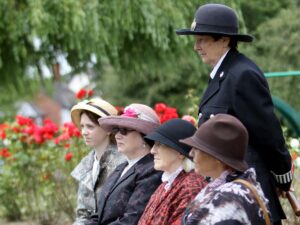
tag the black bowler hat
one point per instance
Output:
(171, 132)
(215, 19)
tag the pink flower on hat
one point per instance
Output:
(130, 112)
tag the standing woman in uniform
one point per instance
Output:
(238, 87)
(93, 169)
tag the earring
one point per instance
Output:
(144, 145)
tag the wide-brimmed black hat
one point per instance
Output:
(217, 19)
(223, 137)
(171, 132)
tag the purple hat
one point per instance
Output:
(138, 117)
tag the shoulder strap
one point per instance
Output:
(258, 199)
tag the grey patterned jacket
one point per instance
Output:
(87, 189)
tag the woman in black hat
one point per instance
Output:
(234, 196)
(180, 183)
(238, 87)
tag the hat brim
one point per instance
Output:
(76, 110)
(139, 125)
(235, 164)
(239, 37)
(155, 136)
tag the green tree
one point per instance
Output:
(139, 56)
(277, 49)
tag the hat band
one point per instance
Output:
(215, 29)
(97, 107)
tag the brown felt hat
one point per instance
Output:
(138, 117)
(223, 137)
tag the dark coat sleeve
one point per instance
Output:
(146, 184)
(253, 105)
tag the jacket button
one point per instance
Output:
(200, 115)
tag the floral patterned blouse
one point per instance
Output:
(223, 202)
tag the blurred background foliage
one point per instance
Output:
(132, 46)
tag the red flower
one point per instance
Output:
(160, 108)
(49, 128)
(68, 156)
(4, 126)
(66, 146)
(29, 130)
(81, 94)
(169, 113)
(119, 109)
(62, 137)
(71, 130)
(90, 93)
(190, 119)
(22, 138)
(21, 120)
(5, 153)
(2, 135)
(16, 130)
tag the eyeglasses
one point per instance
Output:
(123, 131)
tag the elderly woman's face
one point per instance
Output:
(209, 49)
(130, 143)
(165, 158)
(205, 164)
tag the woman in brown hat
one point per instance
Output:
(180, 182)
(238, 87)
(234, 196)
(93, 169)
(127, 190)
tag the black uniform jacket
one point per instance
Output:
(239, 88)
(122, 200)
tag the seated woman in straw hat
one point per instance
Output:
(180, 183)
(93, 169)
(234, 196)
(127, 190)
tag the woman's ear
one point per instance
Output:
(181, 156)
(225, 41)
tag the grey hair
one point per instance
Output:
(187, 165)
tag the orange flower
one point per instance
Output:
(4, 126)
(294, 156)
